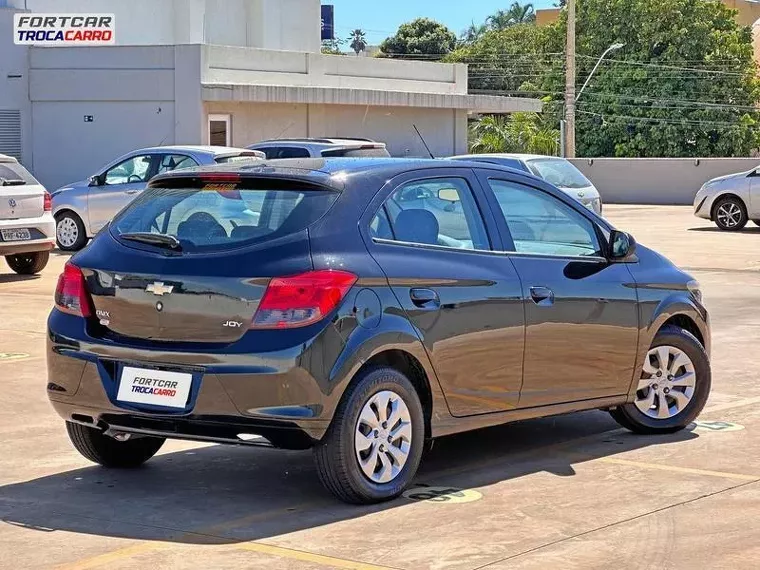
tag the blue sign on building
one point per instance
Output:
(328, 22)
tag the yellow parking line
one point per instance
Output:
(674, 469)
(302, 556)
(114, 556)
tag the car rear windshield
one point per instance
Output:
(559, 172)
(237, 158)
(219, 216)
(12, 173)
(367, 152)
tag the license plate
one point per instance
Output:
(16, 235)
(154, 387)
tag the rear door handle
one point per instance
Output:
(133, 191)
(424, 298)
(542, 296)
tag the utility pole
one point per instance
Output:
(570, 82)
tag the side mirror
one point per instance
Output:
(622, 246)
(95, 181)
(448, 194)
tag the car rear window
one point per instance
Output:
(219, 216)
(357, 152)
(12, 173)
(237, 158)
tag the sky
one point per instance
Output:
(381, 18)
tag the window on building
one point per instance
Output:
(219, 131)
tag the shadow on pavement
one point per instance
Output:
(223, 494)
(745, 230)
(15, 278)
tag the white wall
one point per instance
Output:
(14, 92)
(445, 130)
(268, 24)
(656, 180)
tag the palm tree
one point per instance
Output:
(473, 33)
(358, 41)
(520, 132)
(517, 14)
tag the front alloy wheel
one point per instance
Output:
(730, 214)
(667, 383)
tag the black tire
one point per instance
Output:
(743, 217)
(28, 263)
(81, 237)
(109, 452)
(335, 456)
(630, 417)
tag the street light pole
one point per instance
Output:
(613, 47)
(569, 139)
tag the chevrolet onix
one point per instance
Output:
(362, 308)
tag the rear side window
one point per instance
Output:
(224, 216)
(13, 174)
(369, 152)
(286, 152)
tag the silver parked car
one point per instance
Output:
(321, 148)
(730, 201)
(557, 171)
(27, 228)
(82, 208)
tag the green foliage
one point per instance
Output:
(520, 132)
(685, 84)
(358, 41)
(419, 37)
(332, 47)
(500, 20)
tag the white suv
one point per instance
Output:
(320, 148)
(27, 227)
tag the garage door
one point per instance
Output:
(10, 133)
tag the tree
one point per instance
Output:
(520, 132)
(358, 41)
(517, 14)
(473, 33)
(332, 47)
(419, 37)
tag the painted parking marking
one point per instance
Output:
(674, 469)
(732, 405)
(449, 495)
(304, 556)
(715, 426)
(7, 356)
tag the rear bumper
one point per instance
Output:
(42, 230)
(271, 395)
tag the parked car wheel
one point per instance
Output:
(674, 385)
(28, 263)
(94, 445)
(730, 214)
(374, 445)
(70, 234)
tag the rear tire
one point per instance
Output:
(94, 445)
(70, 234)
(730, 214)
(28, 263)
(632, 417)
(337, 456)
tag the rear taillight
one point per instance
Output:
(71, 294)
(48, 202)
(301, 300)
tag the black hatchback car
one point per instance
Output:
(363, 307)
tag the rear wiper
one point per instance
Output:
(12, 182)
(163, 240)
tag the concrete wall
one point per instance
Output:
(235, 65)
(267, 24)
(129, 92)
(14, 83)
(656, 180)
(443, 129)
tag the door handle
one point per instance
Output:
(133, 191)
(542, 296)
(424, 298)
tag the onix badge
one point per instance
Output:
(158, 288)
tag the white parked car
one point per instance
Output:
(557, 171)
(27, 228)
(730, 201)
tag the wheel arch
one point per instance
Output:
(720, 197)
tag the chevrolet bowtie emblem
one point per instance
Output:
(158, 288)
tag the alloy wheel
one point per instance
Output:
(383, 436)
(667, 383)
(66, 231)
(729, 214)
